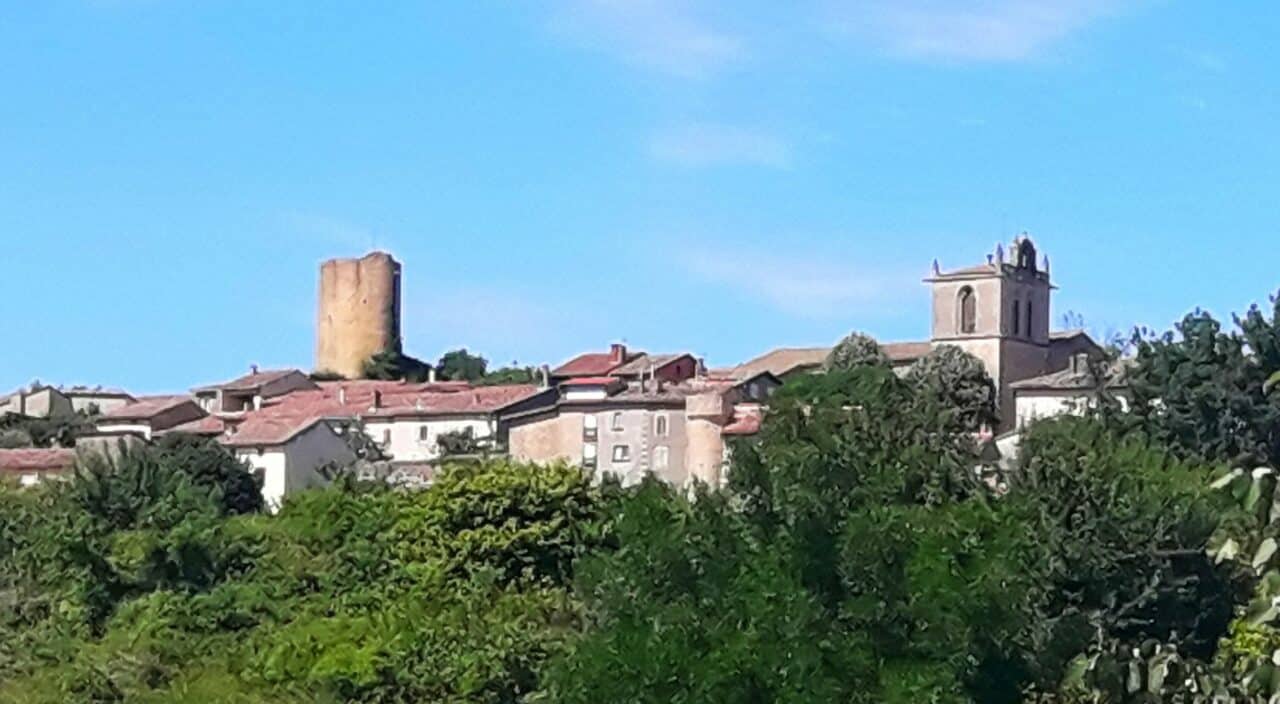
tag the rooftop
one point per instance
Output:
(146, 407)
(250, 381)
(31, 459)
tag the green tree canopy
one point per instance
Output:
(961, 381)
(461, 365)
(855, 350)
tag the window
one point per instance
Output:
(968, 308)
(621, 453)
(1028, 322)
(589, 430)
(589, 455)
(616, 423)
(424, 433)
(1017, 318)
(661, 457)
(660, 423)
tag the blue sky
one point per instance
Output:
(722, 177)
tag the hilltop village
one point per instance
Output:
(612, 410)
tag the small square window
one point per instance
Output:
(616, 423)
(621, 453)
(424, 433)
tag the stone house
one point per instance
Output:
(249, 392)
(607, 424)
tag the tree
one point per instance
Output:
(961, 381)
(460, 365)
(513, 374)
(394, 365)
(856, 349)
(853, 558)
(1201, 390)
(1125, 528)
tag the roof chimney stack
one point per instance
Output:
(377, 399)
(618, 353)
(253, 369)
(544, 373)
(431, 375)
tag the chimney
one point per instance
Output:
(544, 373)
(342, 395)
(377, 399)
(253, 369)
(431, 375)
(257, 402)
(618, 353)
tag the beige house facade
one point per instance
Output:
(629, 429)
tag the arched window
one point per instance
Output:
(968, 307)
(1030, 330)
(1017, 318)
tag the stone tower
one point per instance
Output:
(359, 312)
(999, 312)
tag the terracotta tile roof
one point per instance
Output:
(250, 381)
(589, 364)
(786, 360)
(642, 362)
(906, 352)
(95, 391)
(146, 408)
(208, 425)
(267, 430)
(745, 422)
(37, 459)
(477, 401)
(783, 361)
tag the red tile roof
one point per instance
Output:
(744, 423)
(208, 425)
(37, 459)
(267, 430)
(589, 364)
(251, 380)
(480, 400)
(146, 408)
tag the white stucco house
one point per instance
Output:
(286, 453)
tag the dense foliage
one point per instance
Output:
(1201, 389)
(855, 350)
(960, 381)
(855, 556)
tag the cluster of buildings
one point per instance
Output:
(619, 411)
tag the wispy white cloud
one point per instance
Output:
(332, 231)
(812, 286)
(711, 145)
(663, 35)
(967, 30)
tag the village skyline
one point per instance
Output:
(720, 178)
